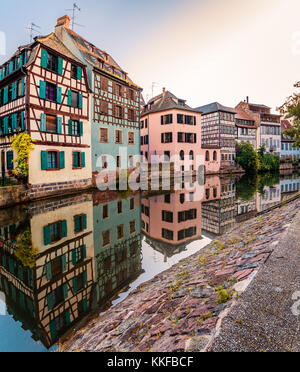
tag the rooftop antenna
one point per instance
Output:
(32, 28)
(73, 10)
(152, 87)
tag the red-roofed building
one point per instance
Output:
(245, 128)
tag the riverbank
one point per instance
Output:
(182, 308)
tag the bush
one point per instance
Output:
(247, 157)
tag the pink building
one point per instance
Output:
(169, 127)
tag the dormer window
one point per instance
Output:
(181, 102)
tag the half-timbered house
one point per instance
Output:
(45, 92)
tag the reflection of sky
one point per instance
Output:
(13, 338)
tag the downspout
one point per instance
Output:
(25, 90)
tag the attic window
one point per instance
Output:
(181, 102)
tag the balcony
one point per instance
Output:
(270, 118)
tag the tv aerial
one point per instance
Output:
(32, 28)
(73, 10)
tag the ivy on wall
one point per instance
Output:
(23, 144)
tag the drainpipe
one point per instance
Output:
(25, 90)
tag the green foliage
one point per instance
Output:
(268, 162)
(223, 295)
(247, 186)
(247, 157)
(23, 145)
(25, 251)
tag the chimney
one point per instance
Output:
(63, 21)
(247, 99)
(164, 92)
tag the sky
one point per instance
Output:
(201, 50)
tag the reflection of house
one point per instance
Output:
(270, 197)
(117, 245)
(171, 221)
(218, 216)
(56, 292)
(287, 149)
(245, 209)
(291, 184)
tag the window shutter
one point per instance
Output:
(65, 290)
(44, 160)
(50, 301)
(14, 122)
(53, 332)
(75, 165)
(11, 67)
(82, 159)
(22, 300)
(162, 138)
(58, 94)
(75, 285)
(84, 221)
(46, 235)
(68, 321)
(69, 98)
(61, 160)
(60, 66)
(9, 160)
(5, 124)
(42, 89)
(162, 120)
(79, 73)
(84, 252)
(21, 61)
(5, 95)
(22, 87)
(11, 265)
(64, 262)
(59, 125)
(85, 278)
(44, 58)
(43, 123)
(48, 271)
(81, 128)
(74, 259)
(13, 90)
(20, 272)
(64, 229)
(80, 100)
(84, 304)
(70, 127)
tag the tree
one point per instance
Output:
(268, 162)
(291, 109)
(247, 157)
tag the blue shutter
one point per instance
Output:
(43, 122)
(42, 89)
(80, 100)
(65, 291)
(11, 266)
(75, 165)
(44, 58)
(61, 160)
(68, 322)
(58, 94)
(5, 95)
(84, 221)
(9, 160)
(84, 252)
(5, 124)
(70, 127)
(64, 229)
(80, 128)
(11, 67)
(83, 159)
(79, 73)
(22, 120)
(14, 122)
(74, 257)
(44, 161)
(21, 61)
(59, 125)
(49, 271)
(60, 66)
(13, 91)
(84, 304)
(53, 331)
(50, 301)
(46, 235)
(22, 87)
(69, 98)
(75, 285)
(77, 218)
(64, 262)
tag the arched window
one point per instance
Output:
(215, 192)
(215, 156)
(207, 193)
(181, 155)
(191, 155)
(182, 198)
(207, 156)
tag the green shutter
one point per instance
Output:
(42, 89)
(64, 229)
(44, 58)
(75, 165)
(9, 160)
(68, 322)
(11, 67)
(69, 98)
(5, 125)
(46, 235)
(14, 122)
(50, 301)
(14, 293)
(21, 61)
(49, 271)
(43, 122)
(11, 265)
(13, 91)
(60, 66)
(65, 290)
(84, 304)
(75, 285)
(53, 329)
(79, 73)
(85, 278)
(20, 272)
(22, 87)
(84, 221)
(80, 128)
(22, 300)
(77, 218)
(61, 160)
(59, 125)
(80, 100)
(44, 160)
(64, 263)
(70, 127)
(5, 95)
(74, 258)
(58, 94)
(84, 252)
(83, 159)
(22, 120)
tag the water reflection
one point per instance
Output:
(94, 246)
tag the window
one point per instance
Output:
(103, 135)
(104, 161)
(52, 62)
(78, 159)
(75, 99)
(105, 238)
(167, 119)
(191, 155)
(80, 223)
(105, 213)
(132, 204)
(181, 155)
(207, 156)
(52, 159)
(215, 156)
(120, 207)
(167, 137)
(180, 119)
(118, 161)
(168, 198)
(167, 216)
(130, 114)
(130, 138)
(51, 92)
(131, 94)
(55, 232)
(119, 89)
(119, 112)
(207, 193)
(51, 124)
(130, 161)
(167, 234)
(119, 137)
(120, 232)
(132, 228)
(74, 71)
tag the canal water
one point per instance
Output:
(63, 258)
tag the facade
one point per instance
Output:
(218, 130)
(245, 128)
(287, 149)
(115, 104)
(45, 93)
(268, 126)
(170, 128)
